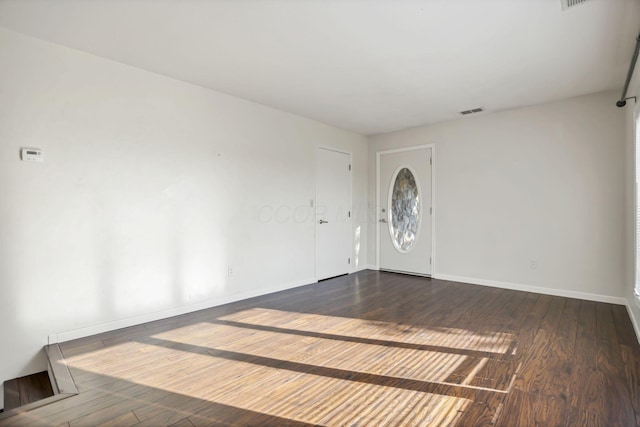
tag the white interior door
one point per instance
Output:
(405, 211)
(333, 216)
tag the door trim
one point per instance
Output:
(351, 268)
(433, 200)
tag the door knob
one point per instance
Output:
(322, 221)
(383, 220)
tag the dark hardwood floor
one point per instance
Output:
(25, 390)
(367, 349)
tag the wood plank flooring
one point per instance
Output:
(24, 390)
(368, 349)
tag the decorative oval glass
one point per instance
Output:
(404, 210)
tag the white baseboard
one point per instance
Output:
(535, 289)
(137, 320)
(634, 320)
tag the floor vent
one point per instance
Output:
(472, 111)
(567, 4)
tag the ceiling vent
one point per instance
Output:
(567, 4)
(472, 111)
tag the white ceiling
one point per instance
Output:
(369, 66)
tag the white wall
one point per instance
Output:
(543, 183)
(150, 189)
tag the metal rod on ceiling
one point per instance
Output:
(623, 99)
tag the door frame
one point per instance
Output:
(433, 200)
(315, 208)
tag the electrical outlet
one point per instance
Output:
(533, 264)
(230, 272)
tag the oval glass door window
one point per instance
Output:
(404, 210)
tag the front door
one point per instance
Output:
(405, 210)
(333, 216)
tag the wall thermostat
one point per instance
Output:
(31, 155)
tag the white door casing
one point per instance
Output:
(401, 247)
(333, 216)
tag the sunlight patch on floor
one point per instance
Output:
(495, 342)
(357, 357)
(280, 392)
(316, 369)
